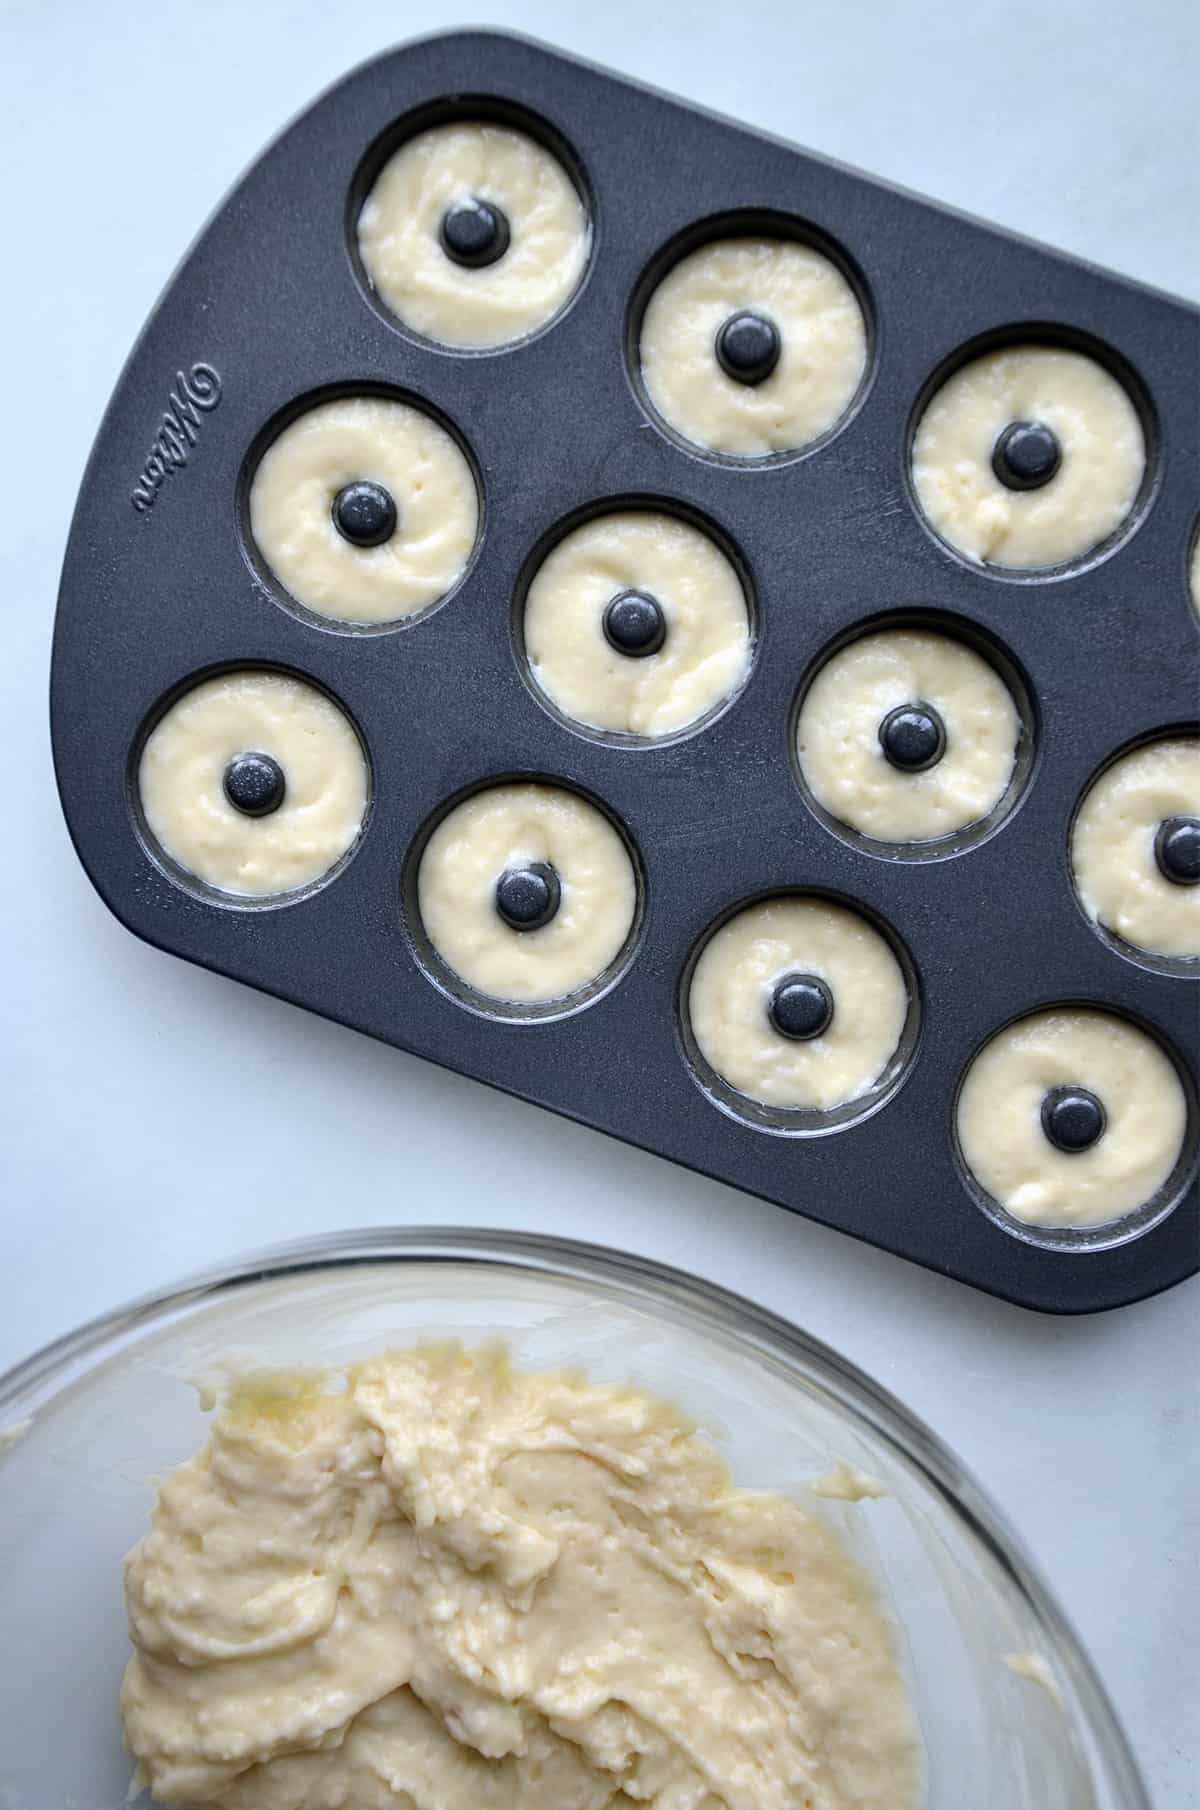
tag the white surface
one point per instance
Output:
(121, 127)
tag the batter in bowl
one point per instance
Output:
(637, 622)
(473, 235)
(527, 892)
(1071, 1117)
(907, 735)
(798, 1003)
(1028, 457)
(1135, 848)
(753, 346)
(437, 1581)
(254, 782)
(365, 509)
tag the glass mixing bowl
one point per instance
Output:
(1011, 1715)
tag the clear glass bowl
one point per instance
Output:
(1011, 1715)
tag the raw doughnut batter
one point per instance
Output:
(388, 447)
(735, 982)
(1086, 422)
(186, 767)
(1118, 875)
(511, 829)
(820, 339)
(451, 1585)
(1004, 1140)
(850, 704)
(535, 253)
(705, 652)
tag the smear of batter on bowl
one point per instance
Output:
(13, 1434)
(1036, 1668)
(844, 1482)
(437, 1580)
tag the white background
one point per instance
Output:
(154, 1118)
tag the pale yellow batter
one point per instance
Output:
(822, 357)
(422, 469)
(1103, 457)
(182, 791)
(704, 657)
(1000, 1129)
(438, 1582)
(842, 758)
(508, 827)
(400, 225)
(734, 981)
(1117, 877)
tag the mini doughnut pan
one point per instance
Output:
(272, 311)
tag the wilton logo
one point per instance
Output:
(196, 390)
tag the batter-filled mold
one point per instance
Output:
(252, 784)
(1031, 454)
(1135, 852)
(751, 341)
(913, 738)
(636, 623)
(472, 230)
(362, 510)
(524, 899)
(1073, 1125)
(799, 1013)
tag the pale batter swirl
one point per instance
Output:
(435, 1581)
(189, 767)
(1071, 489)
(842, 736)
(1122, 870)
(688, 587)
(571, 847)
(735, 982)
(820, 341)
(1118, 1165)
(532, 268)
(403, 455)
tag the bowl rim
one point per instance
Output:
(34, 1381)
